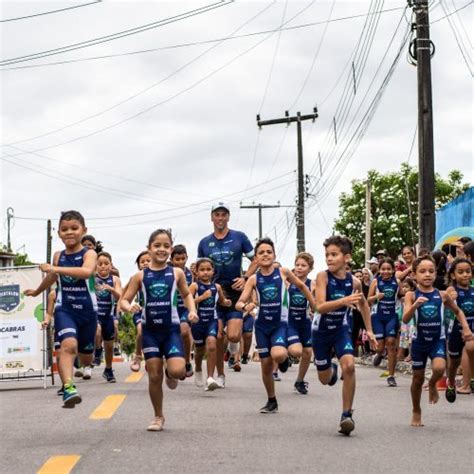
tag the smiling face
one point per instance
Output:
(386, 271)
(179, 260)
(463, 274)
(265, 256)
(408, 255)
(71, 232)
(160, 249)
(302, 269)
(220, 219)
(425, 273)
(336, 259)
(144, 261)
(104, 265)
(205, 272)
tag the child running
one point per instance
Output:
(271, 323)
(206, 295)
(160, 284)
(75, 314)
(337, 293)
(108, 291)
(383, 294)
(429, 340)
(460, 290)
(299, 320)
(179, 257)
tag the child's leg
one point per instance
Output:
(186, 336)
(138, 341)
(279, 354)
(438, 367)
(380, 346)
(296, 350)
(453, 364)
(66, 362)
(469, 350)
(416, 389)
(466, 375)
(98, 342)
(109, 353)
(234, 330)
(267, 377)
(198, 356)
(391, 344)
(304, 364)
(220, 348)
(211, 355)
(176, 367)
(349, 382)
(154, 367)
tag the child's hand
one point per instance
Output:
(372, 340)
(47, 268)
(353, 300)
(135, 308)
(420, 301)
(467, 334)
(207, 294)
(30, 293)
(46, 321)
(227, 302)
(193, 317)
(249, 307)
(380, 295)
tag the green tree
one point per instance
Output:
(390, 211)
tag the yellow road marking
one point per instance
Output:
(135, 377)
(59, 464)
(108, 407)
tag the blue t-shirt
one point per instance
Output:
(429, 317)
(298, 310)
(387, 305)
(206, 309)
(105, 300)
(226, 254)
(272, 298)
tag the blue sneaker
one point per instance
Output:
(109, 375)
(301, 387)
(334, 375)
(71, 396)
(347, 424)
(230, 362)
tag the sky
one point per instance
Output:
(151, 139)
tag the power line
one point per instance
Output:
(452, 13)
(118, 35)
(198, 43)
(51, 11)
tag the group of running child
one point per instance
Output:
(216, 304)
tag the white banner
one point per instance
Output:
(21, 337)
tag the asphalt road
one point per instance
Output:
(222, 431)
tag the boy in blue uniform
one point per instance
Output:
(337, 293)
(75, 314)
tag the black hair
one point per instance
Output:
(179, 250)
(423, 251)
(140, 255)
(344, 244)
(158, 232)
(469, 250)
(440, 259)
(72, 215)
(90, 238)
(422, 258)
(202, 260)
(410, 248)
(389, 261)
(465, 240)
(457, 261)
(410, 282)
(265, 240)
(104, 254)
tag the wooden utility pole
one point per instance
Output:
(259, 207)
(368, 219)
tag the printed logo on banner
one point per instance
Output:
(10, 297)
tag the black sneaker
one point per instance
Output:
(347, 424)
(96, 361)
(108, 375)
(244, 359)
(333, 380)
(284, 366)
(391, 382)
(116, 351)
(189, 370)
(471, 383)
(301, 387)
(378, 359)
(450, 394)
(60, 391)
(270, 407)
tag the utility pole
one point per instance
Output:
(259, 207)
(368, 218)
(298, 118)
(423, 50)
(9, 226)
(49, 239)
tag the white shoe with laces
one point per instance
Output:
(87, 373)
(211, 385)
(198, 379)
(221, 381)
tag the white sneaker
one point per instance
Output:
(171, 383)
(79, 372)
(220, 381)
(198, 380)
(87, 372)
(211, 385)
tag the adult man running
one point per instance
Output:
(226, 247)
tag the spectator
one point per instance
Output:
(373, 264)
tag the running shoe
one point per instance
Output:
(136, 364)
(87, 372)
(269, 408)
(198, 379)
(378, 359)
(60, 391)
(245, 359)
(71, 396)
(450, 394)
(96, 362)
(347, 424)
(333, 380)
(236, 366)
(276, 377)
(471, 383)
(189, 370)
(301, 387)
(171, 383)
(156, 424)
(221, 381)
(109, 375)
(284, 365)
(79, 372)
(211, 385)
(391, 382)
(226, 356)
(231, 362)
(116, 350)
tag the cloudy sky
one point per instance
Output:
(151, 139)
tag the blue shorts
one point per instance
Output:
(57, 344)
(385, 325)
(79, 325)
(137, 318)
(327, 342)
(421, 350)
(201, 331)
(268, 336)
(300, 333)
(249, 323)
(165, 343)
(226, 313)
(183, 315)
(107, 328)
(455, 340)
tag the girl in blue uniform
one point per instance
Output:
(299, 320)
(206, 296)
(270, 284)
(426, 305)
(75, 313)
(108, 291)
(461, 290)
(160, 284)
(383, 295)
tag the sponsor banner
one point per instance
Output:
(21, 337)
